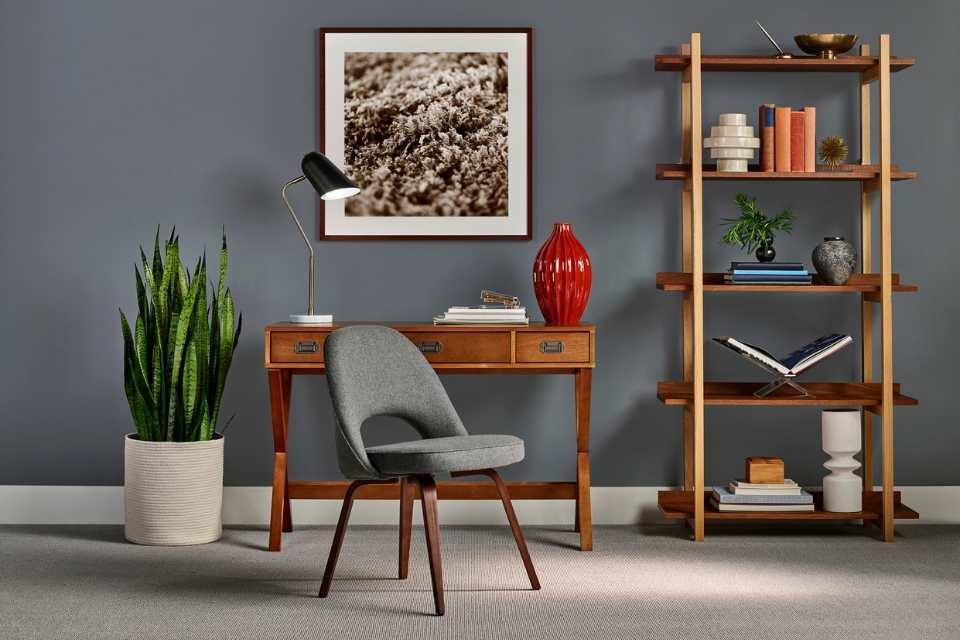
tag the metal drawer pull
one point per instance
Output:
(306, 346)
(551, 346)
(431, 346)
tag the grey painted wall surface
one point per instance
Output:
(116, 116)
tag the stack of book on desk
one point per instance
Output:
(767, 273)
(769, 496)
(484, 314)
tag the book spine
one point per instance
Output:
(810, 139)
(769, 272)
(781, 131)
(796, 140)
(767, 141)
(764, 266)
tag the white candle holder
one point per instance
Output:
(842, 488)
(732, 142)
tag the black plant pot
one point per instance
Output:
(766, 252)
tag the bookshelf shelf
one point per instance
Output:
(824, 394)
(849, 64)
(859, 283)
(680, 505)
(844, 173)
(875, 286)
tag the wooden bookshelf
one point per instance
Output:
(846, 172)
(680, 505)
(858, 283)
(823, 394)
(876, 395)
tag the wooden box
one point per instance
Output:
(764, 470)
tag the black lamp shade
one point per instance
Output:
(326, 178)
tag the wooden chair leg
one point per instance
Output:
(428, 490)
(408, 489)
(512, 518)
(342, 531)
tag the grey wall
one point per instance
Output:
(117, 116)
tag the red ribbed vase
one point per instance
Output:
(562, 277)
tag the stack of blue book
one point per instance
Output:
(745, 496)
(767, 273)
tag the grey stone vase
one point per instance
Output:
(835, 260)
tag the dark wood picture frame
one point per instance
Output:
(528, 32)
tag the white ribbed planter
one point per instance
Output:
(173, 491)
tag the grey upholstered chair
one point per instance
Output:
(372, 371)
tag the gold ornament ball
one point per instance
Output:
(833, 151)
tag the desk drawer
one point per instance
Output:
(553, 346)
(462, 346)
(299, 346)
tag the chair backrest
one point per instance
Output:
(375, 371)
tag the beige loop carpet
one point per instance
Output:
(84, 582)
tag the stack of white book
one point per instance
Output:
(753, 496)
(484, 314)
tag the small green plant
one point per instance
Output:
(176, 359)
(753, 229)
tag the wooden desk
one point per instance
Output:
(298, 350)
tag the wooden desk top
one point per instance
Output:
(429, 326)
(535, 348)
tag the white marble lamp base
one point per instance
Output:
(301, 318)
(842, 489)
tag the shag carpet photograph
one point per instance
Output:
(433, 127)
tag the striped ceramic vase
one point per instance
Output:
(562, 277)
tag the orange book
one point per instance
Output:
(781, 132)
(796, 140)
(809, 139)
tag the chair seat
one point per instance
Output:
(440, 455)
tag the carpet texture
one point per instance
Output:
(84, 582)
(425, 134)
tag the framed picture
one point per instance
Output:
(434, 126)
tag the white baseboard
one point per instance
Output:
(32, 504)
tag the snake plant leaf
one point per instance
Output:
(195, 428)
(183, 280)
(201, 328)
(206, 425)
(141, 291)
(225, 354)
(190, 367)
(179, 341)
(137, 408)
(169, 268)
(160, 377)
(236, 333)
(138, 381)
(223, 266)
(157, 389)
(140, 341)
(150, 288)
(157, 257)
(214, 347)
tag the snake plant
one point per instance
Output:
(176, 358)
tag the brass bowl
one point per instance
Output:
(825, 45)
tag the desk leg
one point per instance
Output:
(287, 386)
(584, 524)
(280, 384)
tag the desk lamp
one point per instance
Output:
(331, 184)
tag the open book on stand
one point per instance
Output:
(792, 364)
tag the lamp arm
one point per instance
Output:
(311, 278)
